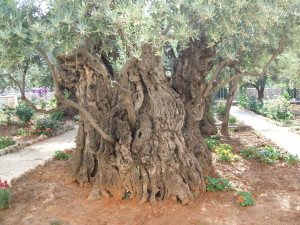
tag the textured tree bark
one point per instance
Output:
(191, 69)
(232, 89)
(207, 124)
(154, 158)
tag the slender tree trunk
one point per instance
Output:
(232, 90)
(260, 93)
(151, 157)
(207, 124)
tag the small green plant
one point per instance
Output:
(62, 155)
(242, 98)
(225, 153)
(232, 119)
(211, 143)
(278, 109)
(249, 152)
(9, 113)
(216, 137)
(221, 107)
(292, 159)
(286, 95)
(245, 198)
(6, 141)
(217, 184)
(24, 112)
(5, 195)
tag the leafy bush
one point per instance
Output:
(232, 119)
(46, 126)
(6, 141)
(9, 112)
(278, 109)
(58, 115)
(220, 109)
(217, 184)
(24, 112)
(4, 195)
(225, 153)
(245, 198)
(286, 95)
(216, 137)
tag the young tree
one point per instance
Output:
(139, 133)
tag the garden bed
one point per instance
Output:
(42, 197)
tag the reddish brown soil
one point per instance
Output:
(41, 197)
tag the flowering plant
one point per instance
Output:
(4, 195)
(46, 126)
(225, 153)
(217, 184)
(245, 198)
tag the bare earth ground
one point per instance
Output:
(41, 197)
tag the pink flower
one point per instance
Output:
(39, 131)
(48, 128)
(26, 128)
(41, 126)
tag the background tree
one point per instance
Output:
(139, 133)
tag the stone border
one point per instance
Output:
(69, 125)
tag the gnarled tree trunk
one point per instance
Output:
(158, 149)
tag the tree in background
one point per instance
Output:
(139, 134)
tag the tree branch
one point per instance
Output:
(67, 102)
(222, 84)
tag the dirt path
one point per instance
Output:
(13, 165)
(279, 135)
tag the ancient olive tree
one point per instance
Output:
(143, 73)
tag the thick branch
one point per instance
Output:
(63, 100)
(255, 74)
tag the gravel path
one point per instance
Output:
(15, 164)
(279, 135)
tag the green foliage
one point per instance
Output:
(46, 126)
(242, 98)
(245, 198)
(269, 154)
(6, 141)
(57, 115)
(217, 184)
(216, 137)
(20, 131)
(286, 95)
(278, 109)
(62, 155)
(232, 119)
(5, 197)
(225, 153)
(221, 107)
(211, 143)
(24, 112)
(9, 112)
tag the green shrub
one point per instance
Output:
(9, 112)
(24, 112)
(46, 126)
(216, 137)
(232, 119)
(286, 95)
(57, 115)
(221, 107)
(217, 184)
(279, 109)
(6, 141)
